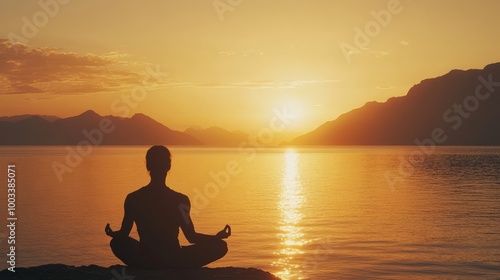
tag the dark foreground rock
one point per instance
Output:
(118, 272)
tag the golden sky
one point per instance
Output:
(232, 63)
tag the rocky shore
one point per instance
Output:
(119, 272)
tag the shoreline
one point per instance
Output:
(120, 272)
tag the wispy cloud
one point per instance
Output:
(243, 53)
(385, 87)
(368, 52)
(262, 84)
(377, 54)
(226, 53)
(53, 71)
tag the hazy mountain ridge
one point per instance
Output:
(22, 117)
(140, 129)
(90, 126)
(428, 105)
(216, 136)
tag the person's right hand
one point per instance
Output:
(225, 233)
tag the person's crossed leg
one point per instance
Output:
(128, 250)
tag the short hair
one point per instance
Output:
(158, 159)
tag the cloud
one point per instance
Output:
(226, 53)
(367, 52)
(26, 70)
(385, 87)
(262, 84)
(377, 54)
(243, 53)
(406, 43)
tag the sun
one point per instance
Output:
(296, 112)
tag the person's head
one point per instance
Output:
(158, 161)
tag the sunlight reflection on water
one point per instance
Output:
(290, 231)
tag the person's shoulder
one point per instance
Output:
(136, 193)
(178, 195)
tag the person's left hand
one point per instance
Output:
(109, 231)
(225, 233)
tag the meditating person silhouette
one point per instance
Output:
(158, 213)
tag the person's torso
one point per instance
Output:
(157, 216)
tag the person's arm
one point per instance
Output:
(127, 222)
(189, 231)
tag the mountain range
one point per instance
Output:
(88, 126)
(216, 136)
(107, 130)
(22, 117)
(458, 108)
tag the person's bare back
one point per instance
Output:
(156, 213)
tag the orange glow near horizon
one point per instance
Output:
(185, 64)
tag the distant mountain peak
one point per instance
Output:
(194, 128)
(492, 67)
(217, 136)
(140, 116)
(89, 113)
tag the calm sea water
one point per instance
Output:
(335, 213)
